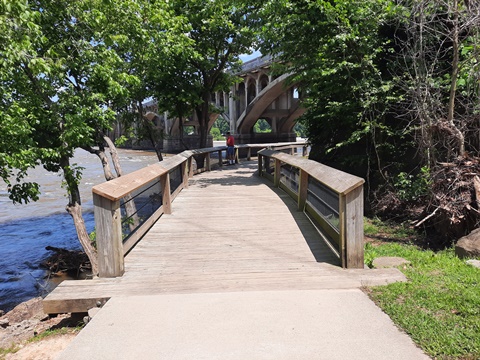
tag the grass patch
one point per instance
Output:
(440, 305)
(55, 332)
(10, 350)
(384, 230)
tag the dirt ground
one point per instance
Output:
(29, 334)
(46, 349)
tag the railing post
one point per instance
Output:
(190, 167)
(304, 151)
(276, 174)
(260, 165)
(249, 154)
(185, 173)
(109, 237)
(354, 229)
(166, 197)
(342, 228)
(220, 160)
(207, 162)
(302, 189)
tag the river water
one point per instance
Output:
(25, 230)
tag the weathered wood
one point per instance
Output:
(354, 228)
(302, 190)
(208, 165)
(220, 160)
(126, 184)
(260, 165)
(342, 242)
(166, 196)
(339, 181)
(109, 237)
(277, 170)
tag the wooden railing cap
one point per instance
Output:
(118, 188)
(337, 180)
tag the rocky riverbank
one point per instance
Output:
(27, 333)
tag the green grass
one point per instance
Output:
(55, 332)
(440, 305)
(378, 228)
(10, 350)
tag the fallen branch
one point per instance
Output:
(426, 218)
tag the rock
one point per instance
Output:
(469, 245)
(388, 262)
(4, 323)
(92, 312)
(475, 263)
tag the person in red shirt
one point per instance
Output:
(230, 149)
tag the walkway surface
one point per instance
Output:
(236, 272)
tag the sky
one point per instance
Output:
(247, 57)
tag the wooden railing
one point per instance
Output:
(120, 222)
(333, 199)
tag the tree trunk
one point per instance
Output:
(453, 86)
(74, 208)
(130, 208)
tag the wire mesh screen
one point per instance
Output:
(289, 176)
(176, 178)
(325, 201)
(138, 207)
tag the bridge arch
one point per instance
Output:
(264, 105)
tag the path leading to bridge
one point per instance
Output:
(236, 272)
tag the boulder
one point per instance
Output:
(475, 263)
(469, 245)
(388, 262)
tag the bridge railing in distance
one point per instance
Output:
(332, 198)
(126, 207)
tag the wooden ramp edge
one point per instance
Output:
(78, 296)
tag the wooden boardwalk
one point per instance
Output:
(230, 231)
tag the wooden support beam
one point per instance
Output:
(260, 165)
(185, 173)
(354, 229)
(109, 237)
(276, 176)
(220, 160)
(208, 165)
(302, 190)
(166, 197)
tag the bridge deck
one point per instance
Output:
(229, 231)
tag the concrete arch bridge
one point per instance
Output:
(259, 95)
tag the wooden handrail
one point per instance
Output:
(349, 188)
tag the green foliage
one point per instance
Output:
(409, 187)
(262, 126)
(337, 51)
(439, 307)
(217, 135)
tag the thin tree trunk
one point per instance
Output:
(75, 211)
(130, 207)
(453, 86)
(74, 208)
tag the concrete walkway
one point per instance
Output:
(300, 324)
